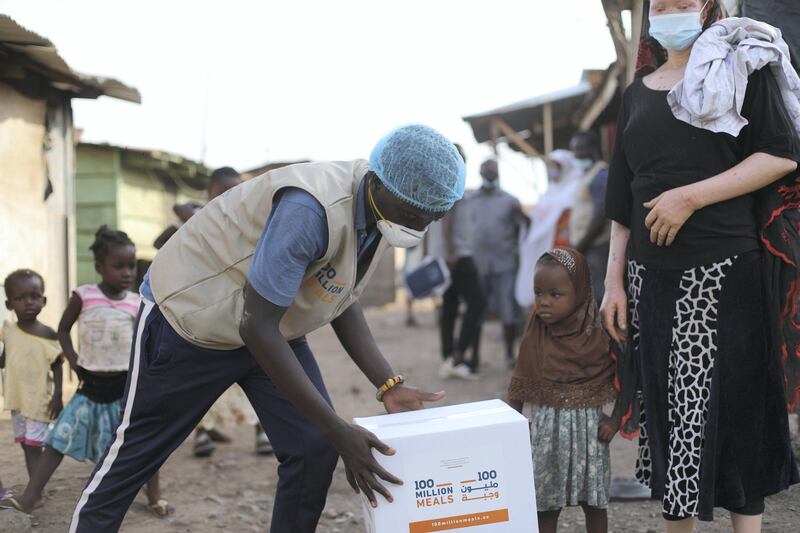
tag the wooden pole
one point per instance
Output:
(602, 98)
(636, 32)
(547, 118)
(493, 133)
(515, 137)
(613, 11)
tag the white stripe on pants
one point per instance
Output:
(126, 419)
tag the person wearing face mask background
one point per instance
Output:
(450, 239)
(705, 233)
(498, 220)
(549, 227)
(589, 230)
(230, 298)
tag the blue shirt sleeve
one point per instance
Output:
(295, 236)
(145, 289)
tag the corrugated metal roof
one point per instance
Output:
(526, 117)
(562, 94)
(172, 166)
(42, 53)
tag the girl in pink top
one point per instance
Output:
(106, 315)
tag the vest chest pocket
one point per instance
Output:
(218, 323)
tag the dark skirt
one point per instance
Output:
(102, 388)
(714, 425)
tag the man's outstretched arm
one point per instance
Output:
(353, 332)
(260, 331)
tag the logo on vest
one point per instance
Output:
(324, 285)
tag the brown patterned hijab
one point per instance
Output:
(566, 365)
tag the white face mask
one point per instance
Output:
(490, 184)
(400, 236)
(395, 234)
(677, 31)
(584, 164)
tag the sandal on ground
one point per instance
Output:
(10, 502)
(263, 446)
(203, 447)
(161, 508)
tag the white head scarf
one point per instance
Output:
(545, 215)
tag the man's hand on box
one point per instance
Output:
(354, 444)
(400, 398)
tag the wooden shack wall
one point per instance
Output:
(34, 230)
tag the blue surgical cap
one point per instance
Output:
(420, 166)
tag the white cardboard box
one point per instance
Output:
(465, 468)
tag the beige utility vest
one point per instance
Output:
(582, 212)
(198, 277)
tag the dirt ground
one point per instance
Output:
(234, 489)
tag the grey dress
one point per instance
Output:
(571, 466)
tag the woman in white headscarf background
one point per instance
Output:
(549, 220)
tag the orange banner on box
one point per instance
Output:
(456, 522)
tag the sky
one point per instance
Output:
(241, 83)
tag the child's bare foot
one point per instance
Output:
(40, 503)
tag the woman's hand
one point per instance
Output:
(668, 213)
(614, 311)
(354, 445)
(400, 398)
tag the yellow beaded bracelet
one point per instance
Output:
(389, 385)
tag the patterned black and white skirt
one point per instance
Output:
(714, 427)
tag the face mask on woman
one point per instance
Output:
(677, 31)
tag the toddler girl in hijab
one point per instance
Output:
(563, 377)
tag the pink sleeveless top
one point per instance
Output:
(105, 328)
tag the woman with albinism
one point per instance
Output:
(702, 194)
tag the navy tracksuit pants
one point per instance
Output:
(171, 385)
